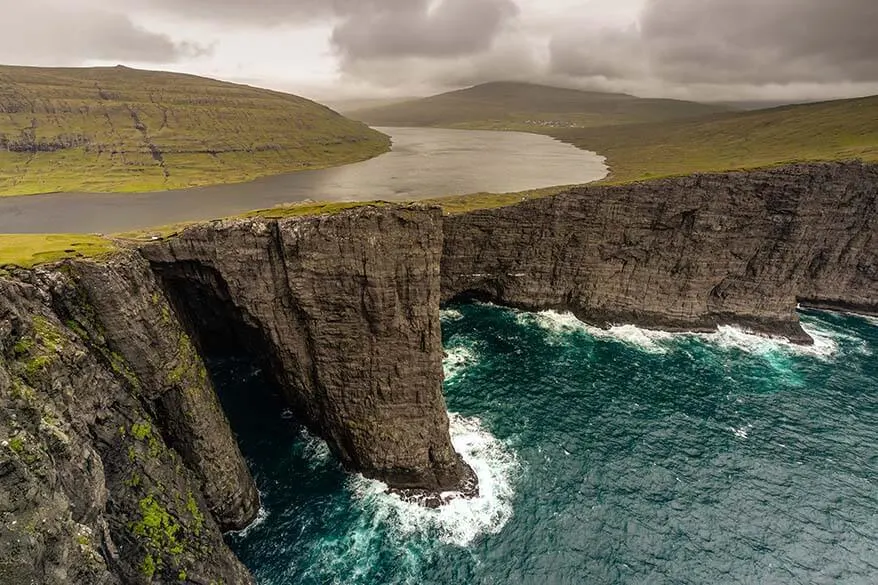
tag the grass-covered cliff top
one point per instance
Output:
(29, 250)
(827, 131)
(836, 130)
(117, 129)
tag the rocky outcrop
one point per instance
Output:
(92, 488)
(117, 464)
(685, 253)
(344, 311)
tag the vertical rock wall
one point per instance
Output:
(92, 490)
(686, 253)
(344, 309)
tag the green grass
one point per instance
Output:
(835, 130)
(529, 107)
(29, 250)
(838, 130)
(117, 129)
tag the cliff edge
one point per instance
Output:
(117, 463)
(687, 253)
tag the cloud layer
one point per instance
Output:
(687, 48)
(55, 32)
(731, 42)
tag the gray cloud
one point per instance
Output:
(508, 59)
(369, 29)
(731, 42)
(450, 28)
(45, 32)
(695, 49)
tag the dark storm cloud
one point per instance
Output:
(50, 33)
(365, 29)
(753, 42)
(447, 29)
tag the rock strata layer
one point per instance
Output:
(688, 253)
(343, 310)
(117, 463)
(93, 487)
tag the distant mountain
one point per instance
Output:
(834, 130)
(344, 106)
(122, 129)
(511, 105)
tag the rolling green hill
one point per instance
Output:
(835, 130)
(120, 129)
(524, 106)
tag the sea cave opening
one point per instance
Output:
(242, 366)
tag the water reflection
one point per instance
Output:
(425, 162)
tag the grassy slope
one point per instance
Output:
(28, 250)
(121, 129)
(836, 130)
(522, 106)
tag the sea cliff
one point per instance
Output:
(690, 253)
(117, 463)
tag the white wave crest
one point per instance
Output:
(260, 518)
(460, 521)
(648, 340)
(450, 315)
(457, 359)
(742, 432)
(731, 337)
(314, 449)
(826, 341)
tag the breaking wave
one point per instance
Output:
(827, 341)
(457, 359)
(461, 521)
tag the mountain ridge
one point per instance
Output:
(521, 106)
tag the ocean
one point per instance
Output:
(616, 457)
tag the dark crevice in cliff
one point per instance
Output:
(220, 330)
(201, 299)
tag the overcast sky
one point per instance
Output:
(338, 49)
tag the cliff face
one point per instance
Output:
(92, 490)
(344, 311)
(687, 253)
(117, 464)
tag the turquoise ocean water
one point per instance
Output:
(605, 457)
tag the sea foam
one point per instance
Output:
(457, 359)
(460, 521)
(648, 340)
(261, 516)
(826, 341)
(450, 315)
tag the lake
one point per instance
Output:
(424, 162)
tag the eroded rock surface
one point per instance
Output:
(91, 492)
(685, 253)
(344, 311)
(117, 464)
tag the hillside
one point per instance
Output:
(835, 130)
(524, 106)
(121, 129)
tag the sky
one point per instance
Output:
(708, 50)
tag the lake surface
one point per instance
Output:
(424, 162)
(604, 458)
